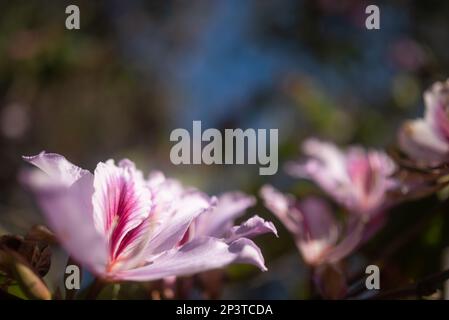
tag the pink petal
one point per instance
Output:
(283, 207)
(165, 191)
(418, 140)
(325, 160)
(218, 221)
(318, 220)
(348, 244)
(199, 255)
(176, 219)
(310, 221)
(326, 166)
(437, 104)
(319, 230)
(56, 170)
(121, 201)
(68, 209)
(251, 228)
(371, 177)
(132, 250)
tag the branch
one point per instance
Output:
(424, 287)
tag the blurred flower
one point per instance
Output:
(426, 140)
(122, 227)
(318, 235)
(356, 178)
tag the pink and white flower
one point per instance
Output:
(426, 140)
(356, 178)
(124, 227)
(320, 238)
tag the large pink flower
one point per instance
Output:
(357, 178)
(320, 238)
(427, 139)
(123, 227)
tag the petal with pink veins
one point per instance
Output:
(121, 202)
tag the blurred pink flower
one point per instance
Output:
(426, 140)
(123, 227)
(320, 238)
(358, 179)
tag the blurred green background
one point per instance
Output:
(138, 69)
